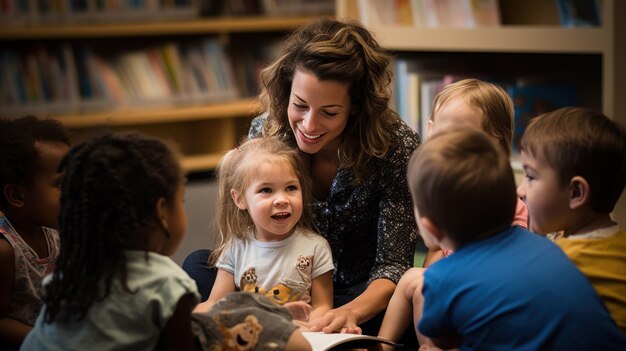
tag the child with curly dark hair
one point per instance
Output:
(114, 286)
(31, 150)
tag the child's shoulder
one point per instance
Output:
(612, 238)
(7, 232)
(505, 246)
(310, 236)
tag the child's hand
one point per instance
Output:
(299, 310)
(302, 325)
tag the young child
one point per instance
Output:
(574, 162)
(467, 103)
(480, 104)
(504, 288)
(31, 150)
(267, 243)
(114, 286)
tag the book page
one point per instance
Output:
(320, 341)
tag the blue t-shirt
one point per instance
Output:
(515, 291)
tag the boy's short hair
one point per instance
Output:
(463, 182)
(18, 154)
(490, 99)
(576, 141)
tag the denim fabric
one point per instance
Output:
(195, 265)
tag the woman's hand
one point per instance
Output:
(336, 321)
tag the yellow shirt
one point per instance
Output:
(601, 256)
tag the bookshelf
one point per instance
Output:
(530, 41)
(204, 129)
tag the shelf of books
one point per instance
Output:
(194, 26)
(531, 47)
(158, 67)
(546, 54)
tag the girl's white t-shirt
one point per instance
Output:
(282, 270)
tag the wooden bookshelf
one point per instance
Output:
(205, 129)
(198, 26)
(544, 39)
(529, 29)
(138, 116)
(201, 162)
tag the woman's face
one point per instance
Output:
(318, 112)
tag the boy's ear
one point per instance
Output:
(14, 194)
(162, 211)
(239, 200)
(432, 228)
(580, 192)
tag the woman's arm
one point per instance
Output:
(396, 226)
(345, 319)
(224, 284)
(321, 295)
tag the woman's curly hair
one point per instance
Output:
(344, 52)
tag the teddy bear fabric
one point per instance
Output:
(243, 321)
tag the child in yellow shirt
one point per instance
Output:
(574, 162)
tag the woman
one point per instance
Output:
(328, 93)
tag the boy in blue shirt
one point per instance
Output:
(504, 288)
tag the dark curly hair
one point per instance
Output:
(18, 154)
(108, 200)
(344, 52)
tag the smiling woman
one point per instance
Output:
(328, 95)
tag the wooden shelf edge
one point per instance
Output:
(194, 26)
(139, 116)
(205, 162)
(536, 39)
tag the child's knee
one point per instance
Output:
(411, 282)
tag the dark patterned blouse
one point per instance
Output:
(370, 227)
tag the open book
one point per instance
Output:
(322, 342)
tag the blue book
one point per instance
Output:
(532, 100)
(579, 13)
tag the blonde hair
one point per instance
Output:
(343, 52)
(463, 182)
(237, 170)
(490, 99)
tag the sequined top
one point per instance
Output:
(370, 226)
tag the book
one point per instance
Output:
(486, 12)
(454, 13)
(376, 13)
(535, 98)
(579, 13)
(325, 342)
